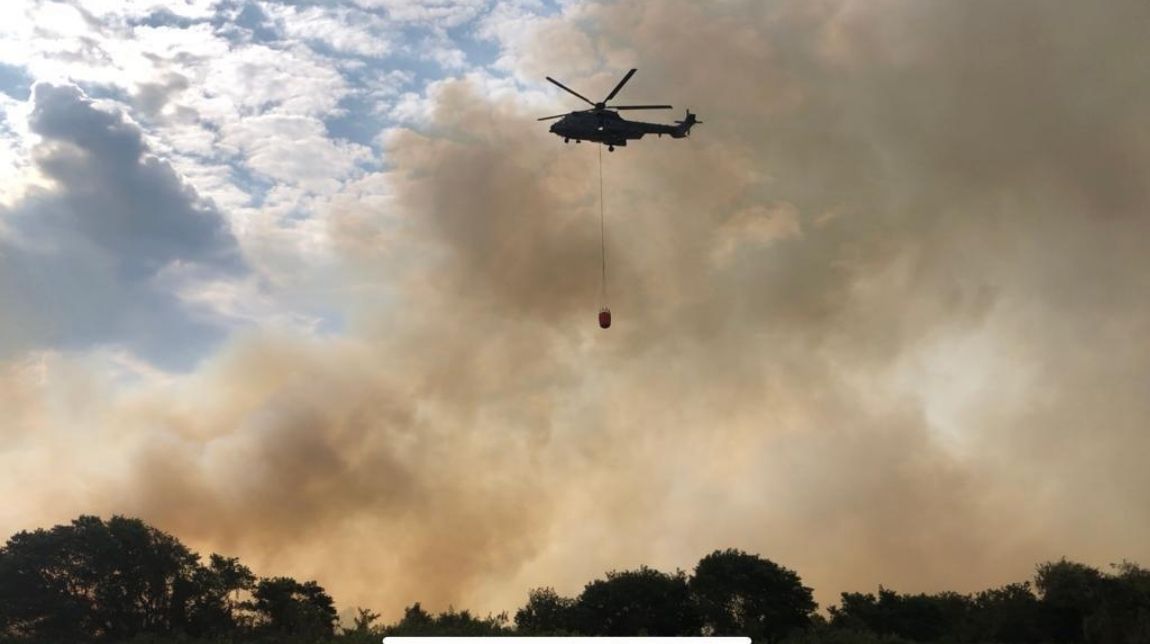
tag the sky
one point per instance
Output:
(308, 284)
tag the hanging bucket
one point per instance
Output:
(605, 318)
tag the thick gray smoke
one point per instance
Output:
(882, 319)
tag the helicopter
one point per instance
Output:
(602, 124)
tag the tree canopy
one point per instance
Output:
(743, 594)
(116, 580)
(120, 579)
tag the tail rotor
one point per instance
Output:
(683, 128)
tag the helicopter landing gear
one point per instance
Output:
(566, 140)
(610, 148)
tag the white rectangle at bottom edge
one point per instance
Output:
(569, 640)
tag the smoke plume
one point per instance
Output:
(883, 319)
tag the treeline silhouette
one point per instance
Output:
(124, 581)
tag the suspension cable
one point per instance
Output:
(602, 234)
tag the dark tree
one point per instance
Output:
(546, 613)
(1070, 592)
(862, 612)
(463, 624)
(743, 594)
(285, 607)
(919, 618)
(415, 621)
(363, 623)
(1123, 610)
(215, 608)
(121, 580)
(96, 579)
(637, 602)
(418, 622)
(1008, 614)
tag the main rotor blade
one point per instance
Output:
(585, 100)
(548, 118)
(640, 107)
(620, 85)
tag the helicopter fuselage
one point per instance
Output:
(607, 127)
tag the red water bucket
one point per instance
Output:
(605, 318)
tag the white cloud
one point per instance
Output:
(294, 149)
(90, 259)
(438, 13)
(17, 172)
(345, 30)
(255, 79)
(444, 53)
(533, 45)
(242, 118)
(195, 9)
(245, 303)
(412, 109)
